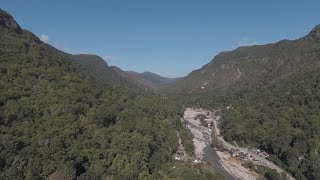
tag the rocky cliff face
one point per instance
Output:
(7, 22)
(314, 34)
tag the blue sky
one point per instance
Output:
(169, 37)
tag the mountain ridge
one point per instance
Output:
(314, 34)
(229, 67)
(145, 79)
(269, 96)
(8, 22)
(96, 64)
(60, 113)
(59, 119)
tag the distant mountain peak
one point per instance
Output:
(149, 73)
(8, 22)
(314, 34)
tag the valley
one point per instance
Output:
(250, 113)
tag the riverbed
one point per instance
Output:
(210, 156)
(221, 161)
(202, 141)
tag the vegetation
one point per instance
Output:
(201, 118)
(187, 141)
(60, 115)
(284, 122)
(274, 93)
(59, 119)
(267, 173)
(176, 171)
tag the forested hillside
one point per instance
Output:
(146, 79)
(283, 119)
(274, 93)
(115, 75)
(74, 117)
(258, 65)
(99, 67)
(59, 120)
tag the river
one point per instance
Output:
(202, 140)
(211, 157)
(203, 150)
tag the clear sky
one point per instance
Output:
(169, 37)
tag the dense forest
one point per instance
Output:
(59, 120)
(284, 120)
(73, 117)
(273, 95)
